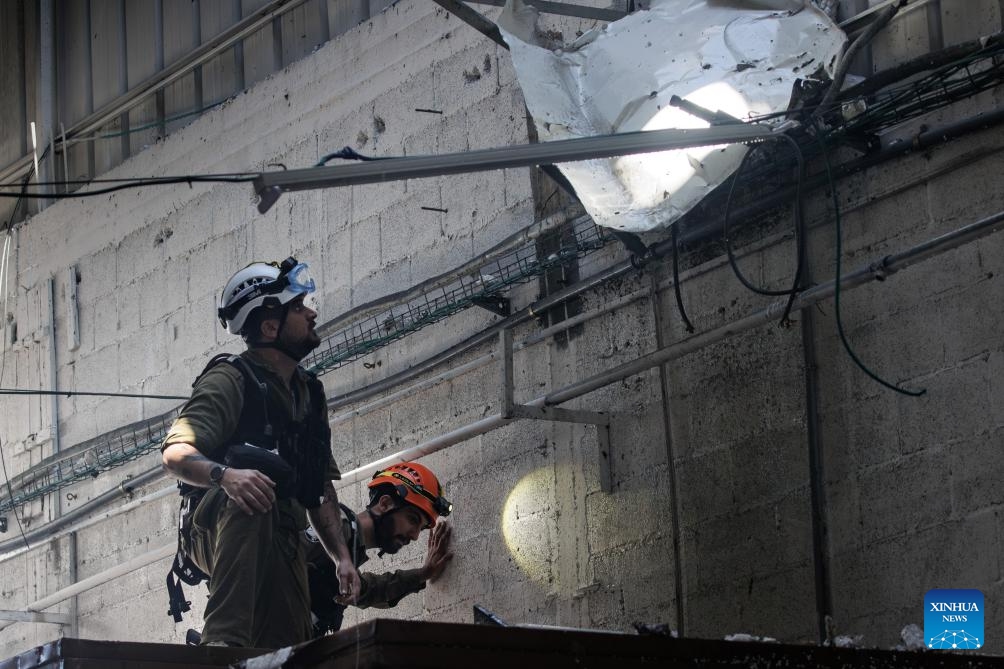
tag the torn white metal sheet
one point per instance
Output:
(739, 57)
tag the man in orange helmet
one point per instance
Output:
(405, 499)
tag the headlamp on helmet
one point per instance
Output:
(262, 284)
(416, 485)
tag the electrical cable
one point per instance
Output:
(4, 291)
(839, 252)
(155, 124)
(843, 67)
(346, 153)
(800, 233)
(139, 183)
(71, 393)
(676, 281)
(84, 182)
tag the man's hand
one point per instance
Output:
(348, 582)
(439, 554)
(251, 491)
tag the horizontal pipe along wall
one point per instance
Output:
(537, 539)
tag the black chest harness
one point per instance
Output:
(295, 454)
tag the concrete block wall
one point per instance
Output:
(911, 485)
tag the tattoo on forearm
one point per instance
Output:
(186, 469)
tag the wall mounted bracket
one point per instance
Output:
(496, 304)
(512, 410)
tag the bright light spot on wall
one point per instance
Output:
(528, 524)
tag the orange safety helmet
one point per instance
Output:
(416, 485)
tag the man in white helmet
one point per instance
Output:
(252, 450)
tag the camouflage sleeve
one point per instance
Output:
(383, 591)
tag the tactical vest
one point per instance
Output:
(264, 422)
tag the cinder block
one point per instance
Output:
(905, 38)
(161, 290)
(461, 81)
(880, 588)
(147, 355)
(365, 250)
(917, 501)
(976, 19)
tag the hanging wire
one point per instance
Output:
(676, 280)
(72, 393)
(800, 232)
(821, 139)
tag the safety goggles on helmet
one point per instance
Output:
(428, 502)
(296, 275)
(259, 284)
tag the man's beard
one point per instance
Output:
(383, 531)
(298, 350)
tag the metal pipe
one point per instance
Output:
(71, 556)
(563, 9)
(674, 497)
(474, 19)
(100, 578)
(935, 31)
(46, 93)
(877, 270)
(705, 230)
(53, 399)
(488, 358)
(35, 617)
(270, 185)
(817, 479)
(72, 530)
(77, 519)
(874, 271)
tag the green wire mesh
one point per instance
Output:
(89, 459)
(940, 87)
(489, 281)
(947, 84)
(107, 451)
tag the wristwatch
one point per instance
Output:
(216, 474)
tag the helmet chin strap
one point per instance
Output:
(276, 344)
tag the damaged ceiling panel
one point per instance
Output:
(737, 57)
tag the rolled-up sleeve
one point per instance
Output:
(212, 412)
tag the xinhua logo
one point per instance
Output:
(953, 619)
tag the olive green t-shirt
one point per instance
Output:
(212, 413)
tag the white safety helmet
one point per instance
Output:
(262, 284)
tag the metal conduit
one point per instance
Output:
(706, 230)
(922, 141)
(877, 270)
(77, 519)
(541, 335)
(486, 359)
